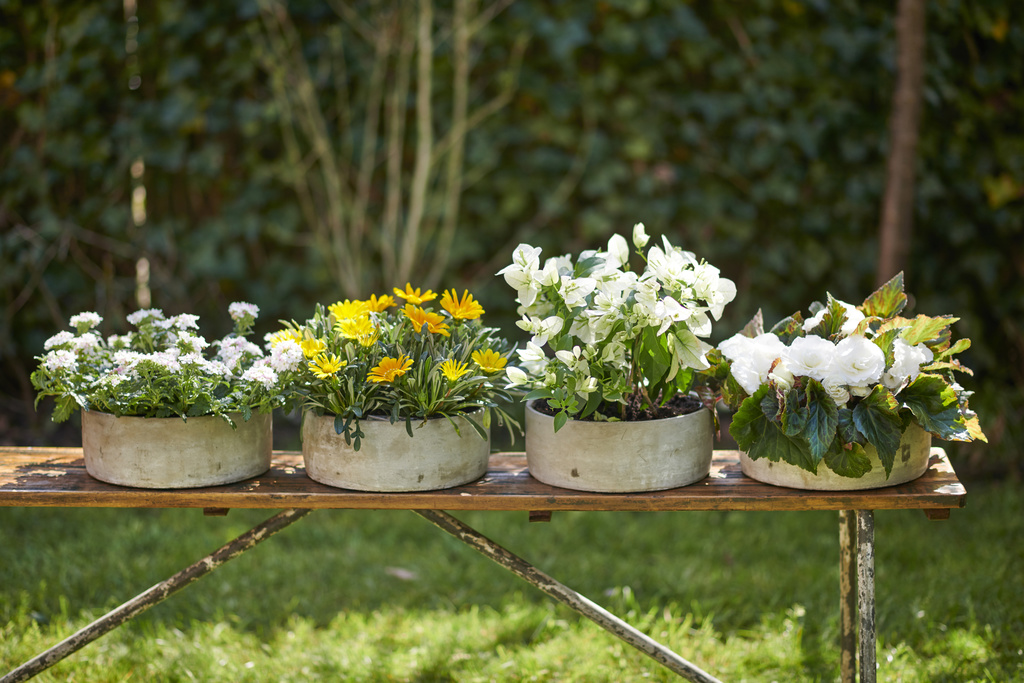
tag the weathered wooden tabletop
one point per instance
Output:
(56, 477)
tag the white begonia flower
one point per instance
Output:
(59, 339)
(781, 376)
(853, 319)
(752, 358)
(810, 357)
(516, 377)
(837, 391)
(640, 237)
(858, 362)
(618, 251)
(906, 365)
(85, 321)
(574, 291)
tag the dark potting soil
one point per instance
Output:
(680, 404)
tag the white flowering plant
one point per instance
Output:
(610, 343)
(404, 362)
(814, 392)
(164, 368)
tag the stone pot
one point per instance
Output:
(171, 453)
(911, 462)
(619, 457)
(389, 460)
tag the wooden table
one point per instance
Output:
(56, 477)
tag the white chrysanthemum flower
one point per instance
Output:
(261, 374)
(60, 359)
(140, 316)
(85, 321)
(59, 339)
(242, 309)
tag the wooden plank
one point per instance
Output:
(56, 477)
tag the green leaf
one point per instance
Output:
(959, 346)
(877, 419)
(887, 301)
(755, 327)
(934, 405)
(847, 430)
(848, 462)
(789, 328)
(593, 401)
(822, 420)
(560, 420)
(926, 329)
(536, 394)
(794, 415)
(760, 437)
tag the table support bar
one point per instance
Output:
(153, 596)
(847, 596)
(567, 596)
(866, 593)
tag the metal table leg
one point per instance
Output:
(153, 596)
(847, 596)
(567, 596)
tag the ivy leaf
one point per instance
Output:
(760, 437)
(933, 403)
(877, 419)
(887, 301)
(822, 420)
(848, 462)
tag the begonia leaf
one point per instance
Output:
(877, 419)
(887, 301)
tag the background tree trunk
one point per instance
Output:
(898, 204)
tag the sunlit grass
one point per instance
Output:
(376, 595)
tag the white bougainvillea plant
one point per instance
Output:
(405, 362)
(814, 392)
(606, 337)
(163, 368)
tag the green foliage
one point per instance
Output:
(753, 134)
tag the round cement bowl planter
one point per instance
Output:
(911, 462)
(619, 457)
(171, 453)
(389, 460)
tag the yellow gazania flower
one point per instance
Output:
(380, 305)
(467, 309)
(326, 364)
(311, 347)
(343, 310)
(413, 296)
(434, 321)
(453, 369)
(489, 361)
(285, 335)
(360, 329)
(389, 368)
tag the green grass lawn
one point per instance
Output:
(380, 595)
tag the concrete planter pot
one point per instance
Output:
(389, 460)
(619, 457)
(911, 462)
(171, 453)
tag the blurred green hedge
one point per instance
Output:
(752, 134)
